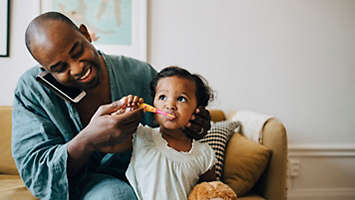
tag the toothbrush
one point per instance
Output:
(149, 108)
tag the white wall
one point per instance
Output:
(293, 59)
(12, 67)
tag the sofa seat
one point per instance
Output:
(12, 187)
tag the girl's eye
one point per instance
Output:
(162, 97)
(181, 99)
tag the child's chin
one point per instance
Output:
(171, 127)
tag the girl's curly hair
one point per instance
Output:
(204, 93)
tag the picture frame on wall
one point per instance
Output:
(116, 26)
(4, 27)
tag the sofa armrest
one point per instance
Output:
(273, 183)
(7, 164)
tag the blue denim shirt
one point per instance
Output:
(43, 124)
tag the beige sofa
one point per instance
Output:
(272, 184)
(11, 185)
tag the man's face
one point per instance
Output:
(67, 54)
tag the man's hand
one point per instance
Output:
(199, 124)
(107, 132)
(110, 130)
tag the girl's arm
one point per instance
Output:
(208, 176)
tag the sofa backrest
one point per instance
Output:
(7, 164)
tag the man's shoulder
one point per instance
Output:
(28, 87)
(29, 76)
(124, 60)
(128, 64)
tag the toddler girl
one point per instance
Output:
(166, 163)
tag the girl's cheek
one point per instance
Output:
(157, 118)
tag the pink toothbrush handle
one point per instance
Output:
(149, 108)
(164, 113)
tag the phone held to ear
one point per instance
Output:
(73, 95)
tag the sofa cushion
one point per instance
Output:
(217, 137)
(217, 115)
(245, 161)
(7, 164)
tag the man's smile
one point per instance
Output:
(86, 74)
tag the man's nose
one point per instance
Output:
(76, 68)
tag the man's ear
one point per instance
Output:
(85, 32)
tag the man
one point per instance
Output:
(80, 151)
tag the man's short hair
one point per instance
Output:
(39, 21)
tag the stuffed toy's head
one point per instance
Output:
(215, 190)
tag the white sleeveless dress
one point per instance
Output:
(159, 172)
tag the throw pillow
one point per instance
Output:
(245, 161)
(217, 137)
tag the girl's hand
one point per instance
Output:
(199, 124)
(129, 103)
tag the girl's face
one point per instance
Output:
(175, 95)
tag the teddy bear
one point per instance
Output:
(214, 190)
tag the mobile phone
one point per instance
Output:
(67, 93)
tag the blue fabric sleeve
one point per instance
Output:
(39, 151)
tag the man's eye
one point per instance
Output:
(78, 53)
(60, 68)
(162, 97)
(181, 99)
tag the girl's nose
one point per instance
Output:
(170, 105)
